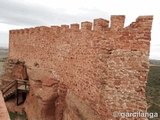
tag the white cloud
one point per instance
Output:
(4, 39)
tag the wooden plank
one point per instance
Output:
(22, 87)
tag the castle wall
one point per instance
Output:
(106, 66)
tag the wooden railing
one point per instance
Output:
(14, 87)
(8, 87)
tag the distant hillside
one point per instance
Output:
(3, 48)
(154, 62)
(3, 53)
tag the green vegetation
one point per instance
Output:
(13, 116)
(3, 54)
(3, 59)
(153, 90)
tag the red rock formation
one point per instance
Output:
(44, 92)
(3, 110)
(14, 69)
(61, 102)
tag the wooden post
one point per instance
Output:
(25, 87)
(16, 92)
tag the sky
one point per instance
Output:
(19, 14)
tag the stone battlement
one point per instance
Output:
(117, 23)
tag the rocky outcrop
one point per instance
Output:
(3, 110)
(46, 99)
(16, 69)
(61, 102)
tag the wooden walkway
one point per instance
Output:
(16, 87)
(22, 87)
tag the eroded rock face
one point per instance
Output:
(19, 72)
(79, 109)
(61, 101)
(14, 69)
(3, 110)
(46, 99)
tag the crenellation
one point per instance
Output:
(21, 31)
(64, 28)
(101, 24)
(44, 29)
(55, 30)
(142, 23)
(14, 31)
(55, 27)
(31, 30)
(117, 22)
(86, 25)
(18, 31)
(37, 29)
(132, 25)
(74, 26)
(144, 18)
(11, 31)
(26, 30)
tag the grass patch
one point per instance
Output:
(153, 91)
(3, 59)
(13, 116)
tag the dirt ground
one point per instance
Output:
(3, 56)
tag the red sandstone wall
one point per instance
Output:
(105, 66)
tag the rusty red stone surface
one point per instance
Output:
(3, 110)
(104, 69)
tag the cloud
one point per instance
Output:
(4, 37)
(154, 52)
(155, 48)
(156, 45)
(16, 12)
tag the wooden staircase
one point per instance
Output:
(9, 95)
(14, 89)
